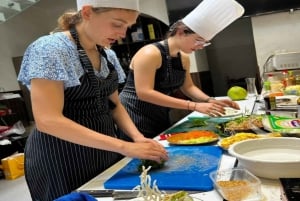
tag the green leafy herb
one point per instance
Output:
(154, 165)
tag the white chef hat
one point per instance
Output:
(212, 16)
(127, 4)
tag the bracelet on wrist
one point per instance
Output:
(208, 99)
(195, 106)
(188, 104)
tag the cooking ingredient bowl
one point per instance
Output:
(237, 184)
(272, 158)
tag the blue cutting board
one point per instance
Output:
(188, 168)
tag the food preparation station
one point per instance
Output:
(270, 187)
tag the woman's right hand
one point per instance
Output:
(212, 109)
(149, 149)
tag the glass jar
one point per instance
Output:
(297, 78)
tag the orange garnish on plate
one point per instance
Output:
(193, 137)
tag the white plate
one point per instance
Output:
(231, 112)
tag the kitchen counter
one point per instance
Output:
(270, 188)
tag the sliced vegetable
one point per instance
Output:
(178, 196)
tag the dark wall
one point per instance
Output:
(232, 55)
(179, 8)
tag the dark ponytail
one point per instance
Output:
(178, 25)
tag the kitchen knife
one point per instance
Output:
(117, 195)
(122, 194)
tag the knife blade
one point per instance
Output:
(116, 194)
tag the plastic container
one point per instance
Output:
(276, 85)
(297, 78)
(291, 79)
(285, 78)
(237, 184)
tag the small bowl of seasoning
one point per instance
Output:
(237, 184)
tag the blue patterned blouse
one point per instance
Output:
(55, 57)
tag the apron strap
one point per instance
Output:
(85, 62)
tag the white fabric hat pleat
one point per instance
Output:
(127, 4)
(212, 16)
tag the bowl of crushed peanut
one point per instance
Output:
(237, 184)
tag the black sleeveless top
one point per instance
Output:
(54, 167)
(149, 118)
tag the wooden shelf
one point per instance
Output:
(126, 49)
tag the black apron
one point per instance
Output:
(149, 118)
(54, 167)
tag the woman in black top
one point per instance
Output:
(158, 69)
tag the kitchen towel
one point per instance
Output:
(74, 196)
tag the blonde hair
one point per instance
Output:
(72, 17)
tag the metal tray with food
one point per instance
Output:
(248, 124)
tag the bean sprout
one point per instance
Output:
(153, 193)
(147, 192)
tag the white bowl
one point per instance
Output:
(272, 158)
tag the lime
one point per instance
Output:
(237, 93)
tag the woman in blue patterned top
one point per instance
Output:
(112, 57)
(75, 101)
